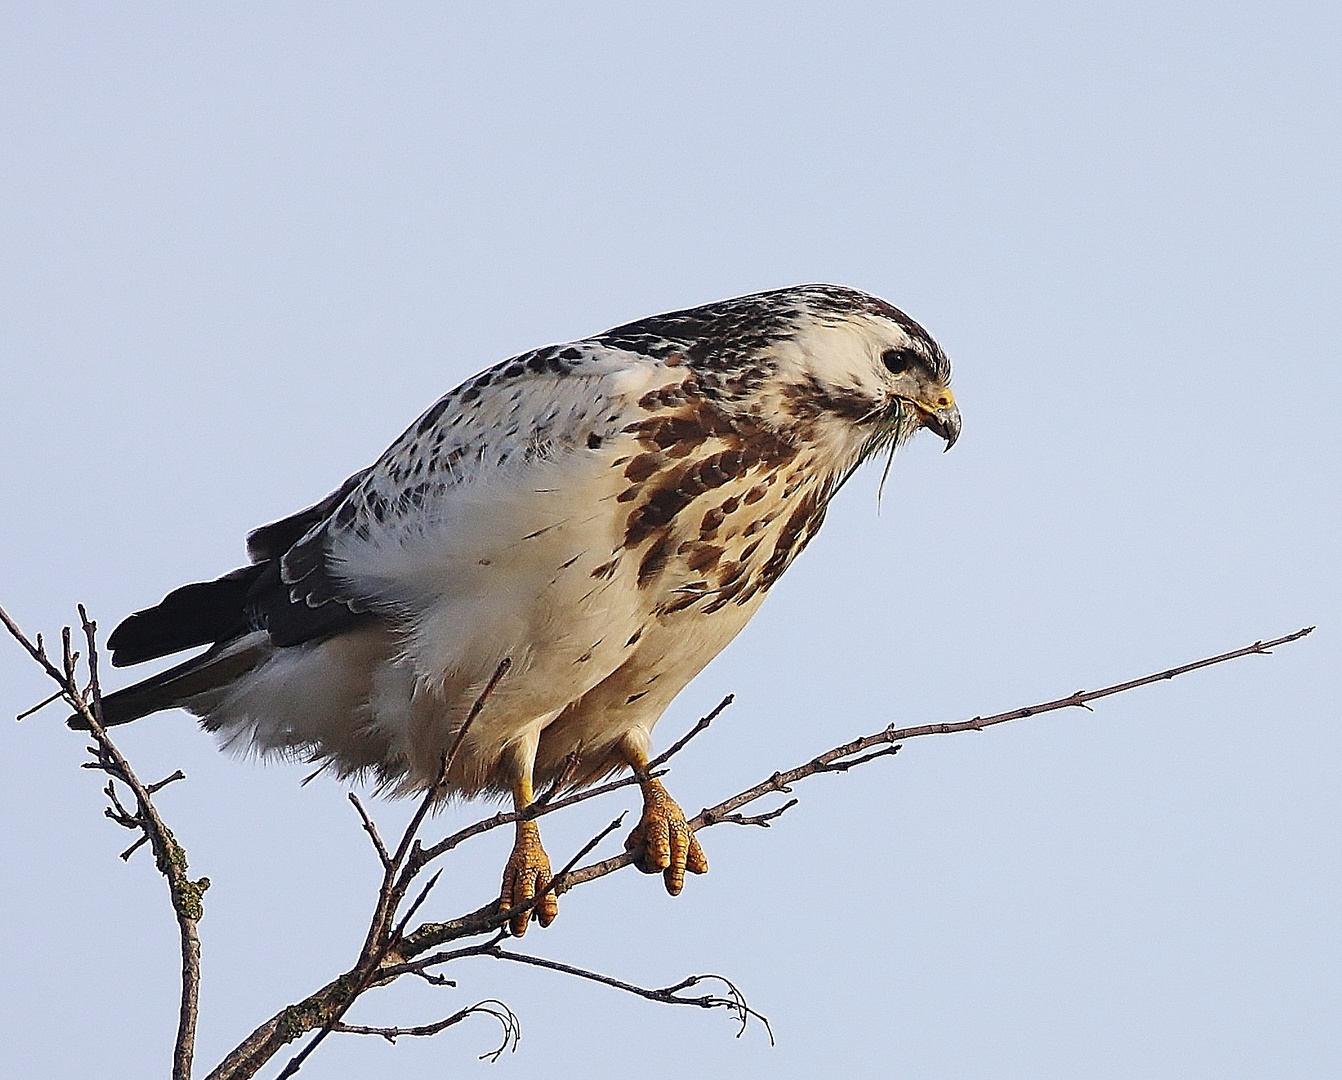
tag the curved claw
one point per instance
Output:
(662, 841)
(525, 877)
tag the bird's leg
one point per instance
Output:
(661, 842)
(528, 871)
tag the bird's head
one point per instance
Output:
(864, 371)
(844, 371)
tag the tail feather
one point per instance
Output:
(199, 614)
(243, 616)
(212, 670)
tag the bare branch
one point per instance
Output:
(825, 762)
(169, 856)
(485, 919)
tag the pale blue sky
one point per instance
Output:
(243, 245)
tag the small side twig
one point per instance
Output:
(512, 1027)
(371, 830)
(852, 763)
(125, 855)
(698, 729)
(761, 820)
(159, 785)
(563, 780)
(40, 705)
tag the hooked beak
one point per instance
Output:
(944, 422)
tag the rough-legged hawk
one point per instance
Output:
(605, 514)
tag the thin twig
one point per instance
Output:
(761, 820)
(421, 965)
(563, 780)
(449, 759)
(139, 843)
(512, 1028)
(736, 1003)
(844, 766)
(116, 811)
(177, 774)
(698, 729)
(36, 651)
(40, 705)
(508, 817)
(371, 830)
(414, 907)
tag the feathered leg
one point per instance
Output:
(661, 842)
(528, 871)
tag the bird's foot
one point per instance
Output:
(662, 842)
(526, 876)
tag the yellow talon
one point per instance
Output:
(526, 876)
(662, 841)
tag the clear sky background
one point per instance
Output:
(243, 245)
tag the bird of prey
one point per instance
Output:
(606, 515)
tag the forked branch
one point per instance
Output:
(169, 855)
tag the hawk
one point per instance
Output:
(605, 515)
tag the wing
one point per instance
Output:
(471, 455)
(273, 540)
(489, 463)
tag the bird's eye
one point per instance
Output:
(898, 361)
